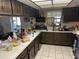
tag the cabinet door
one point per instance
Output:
(26, 57)
(64, 39)
(26, 10)
(5, 7)
(48, 38)
(29, 11)
(31, 53)
(31, 50)
(23, 55)
(36, 45)
(39, 40)
(17, 7)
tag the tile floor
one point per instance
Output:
(54, 52)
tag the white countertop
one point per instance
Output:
(17, 50)
(56, 31)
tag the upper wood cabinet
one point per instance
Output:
(5, 7)
(26, 10)
(17, 7)
(29, 11)
(70, 14)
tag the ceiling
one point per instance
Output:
(30, 3)
(51, 3)
(46, 3)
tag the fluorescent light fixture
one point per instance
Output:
(48, 3)
(58, 17)
(37, 0)
(44, 3)
(61, 1)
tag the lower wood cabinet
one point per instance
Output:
(32, 49)
(23, 55)
(47, 38)
(31, 53)
(36, 45)
(57, 38)
(65, 39)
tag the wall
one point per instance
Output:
(54, 13)
(69, 24)
(25, 23)
(50, 14)
(5, 25)
(74, 3)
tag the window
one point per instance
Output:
(15, 24)
(57, 21)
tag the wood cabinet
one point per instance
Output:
(31, 50)
(65, 39)
(39, 40)
(17, 8)
(30, 11)
(48, 38)
(26, 11)
(37, 44)
(31, 53)
(5, 7)
(70, 14)
(57, 38)
(23, 55)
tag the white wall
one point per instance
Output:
(69, 24)
(54, 13)
(26, 24)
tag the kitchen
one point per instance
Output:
(39, 29)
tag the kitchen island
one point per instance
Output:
(29, 49)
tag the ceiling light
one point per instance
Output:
(44, 3)
(37, 0)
